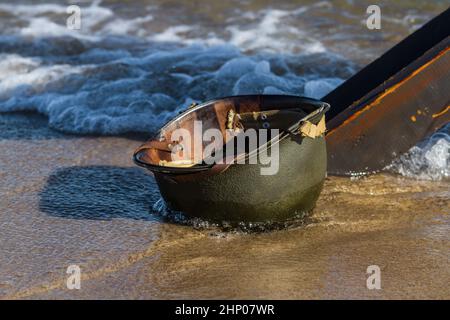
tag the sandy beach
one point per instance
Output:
(75, 103)
(67, 199)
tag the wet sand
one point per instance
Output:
(80, 200)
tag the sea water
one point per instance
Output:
(70, 194)
(132, 68)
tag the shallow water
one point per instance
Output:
(132, 67)
(78, 199)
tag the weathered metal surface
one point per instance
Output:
(392, 104)
(399, 57)
(239, 192)
(368, 136)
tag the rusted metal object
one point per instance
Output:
(234, 192)
(378, 114)
(368, 129)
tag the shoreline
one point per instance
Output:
(32, 116)
(80, 200)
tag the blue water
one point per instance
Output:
(132, 68)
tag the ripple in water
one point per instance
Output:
(114, 91)
(132, 71)
(121, 73)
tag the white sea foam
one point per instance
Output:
(267, 30)
(319, 88)
(114, 91)
(124, 72)
(172, 34)
(19, 75)
(263, 30)
(429, 160)
(50, 19)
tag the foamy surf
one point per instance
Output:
(122, 73)
(429, 160)
(131, 71)
(114, 91)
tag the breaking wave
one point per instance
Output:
(113, 91)
(121, 74)
(132, 70)
(429, 160)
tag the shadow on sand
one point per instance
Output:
(99, 193)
